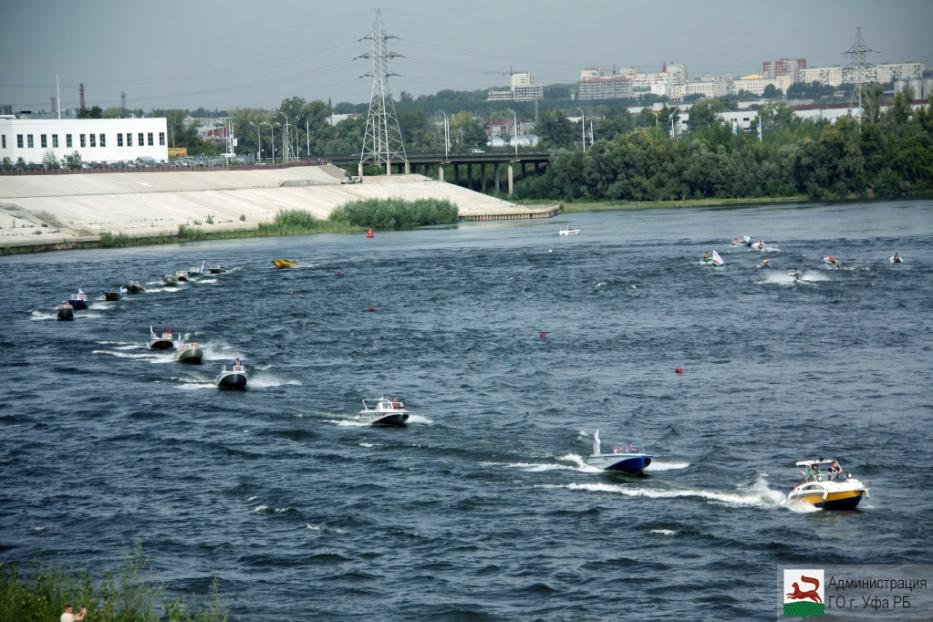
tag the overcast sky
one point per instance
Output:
(244, 53)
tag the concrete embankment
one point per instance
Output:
(49, 212)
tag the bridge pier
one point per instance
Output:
(482, 178)
(496, 171)
(440, 172)
(511, 179)
(407, 168)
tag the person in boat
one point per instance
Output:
(237, 364)
(395, 403)
(764, 262)
(896, 258)
(835, 470)
(707, 257)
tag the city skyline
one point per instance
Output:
(230, 54)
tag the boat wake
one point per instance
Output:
(534, 467)
(664, 532)
(206, 281)
(783, 278)
(757, 494)
(660, 465)
(39, 315)
(155, 358)
(420, 419)
(268, 381)
(194, 386)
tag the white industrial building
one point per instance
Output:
(96, 140)
(523, 87)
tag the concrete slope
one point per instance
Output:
(55, 208)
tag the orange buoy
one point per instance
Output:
(678, 370)
(370, 234)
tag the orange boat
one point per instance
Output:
(284, 263)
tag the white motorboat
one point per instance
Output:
(384, 411)
(198, 271)
(187, 351)
(622, 459)
(181, 276)
(833, 262)
(170, 280)
(829, 489)
(233, 378)
(161, 341)
(566, 230)
(712, 259)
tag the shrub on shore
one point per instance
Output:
(41, 595)
(394, 214)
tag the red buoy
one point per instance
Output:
(678, 370)
(371, 309)
(370, 233)
(542, 334)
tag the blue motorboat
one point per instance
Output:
(78, 301)
(621, 459)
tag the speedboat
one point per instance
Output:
(284, 263)
(187, 351)
(114, 293)
(831, 489)
(161, 342)
(712, 259)
(181, 276)
(65, 312)
(170, 280)
(795, 274)
(742, 241)
(622, 460)
(895, 258)
(384, 411)
(566, 230)
(216, 268)
(79, 301)
(134, 287)
(197, 271)
(833, 262)
(233, 378)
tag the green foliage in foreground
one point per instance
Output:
(395, 214)
(41, 595)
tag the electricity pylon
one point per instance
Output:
(858, 70)
(382, 141)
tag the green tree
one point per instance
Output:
(555, 130)
(73, 160)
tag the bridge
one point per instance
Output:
(488, 167)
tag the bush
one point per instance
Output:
(395, 214)
(41, 595)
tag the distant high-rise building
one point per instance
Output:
(523, 87)
(781, 67)
(595, 84)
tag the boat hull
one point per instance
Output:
(846, 500)
(161, 344)
(65, 314)
(134, 288)
(394, 419)
(112, 296)
(192, 356)
(170, 280)
(231, 381)
(78, 305)
(633, 464)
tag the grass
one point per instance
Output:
(396, 214)
(599, 206)
(41, 594)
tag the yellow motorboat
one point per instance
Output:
(284, 263)
(829, 489)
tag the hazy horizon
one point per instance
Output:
(236, 54)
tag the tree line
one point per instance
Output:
(888, 154)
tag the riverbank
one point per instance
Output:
(601, 206)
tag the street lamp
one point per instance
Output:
(285, 138)
(259, 137)
(446, 135)
(583, 128)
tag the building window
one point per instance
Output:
(103, 140)
(150, 139)
(19, 141)
(68, 141)
(141, 142)
(129, 139)
(93, 139)
(83, 140)
(3, 137)
(55, 141)
(161, 139)
(29, 141)
(44, 141)
(119, 139)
